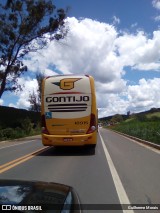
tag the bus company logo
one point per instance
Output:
(67, 83)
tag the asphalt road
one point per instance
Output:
(119, 171)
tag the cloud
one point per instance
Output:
(134, 25)
(116, 20)
(136, 98)
(157, 18)
(88, 48)
(139, 50)
(29, 85)
(13, 105)
(1, 102)
(97, 48)
(114, 87)
(145, 95)
(150, 66)
(156, 4)
(110, 104)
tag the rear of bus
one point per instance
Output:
(69, 112)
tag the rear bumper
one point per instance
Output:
(69, 140)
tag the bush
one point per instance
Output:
(7, 133)
(18, 132)
(154, 118)
(27, 125)
(141, 117)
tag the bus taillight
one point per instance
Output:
(44, 128)
(92, 126)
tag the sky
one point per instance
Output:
(115, 41)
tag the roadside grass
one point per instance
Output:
(27, 129)
(147, 130)
(9, 133)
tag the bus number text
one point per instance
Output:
(81, 122)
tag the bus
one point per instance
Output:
(69, 111)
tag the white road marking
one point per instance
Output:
(141, 144)
(123, 198)
(16, 144)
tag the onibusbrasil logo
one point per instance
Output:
(67, 83)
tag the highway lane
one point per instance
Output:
(14, 149)
(138, 167)
(86, 171)
(89, 173)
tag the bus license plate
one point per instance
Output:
(67, 139)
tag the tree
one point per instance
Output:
(35, 99)
(128, 114)
(26, 26)
(117, 118)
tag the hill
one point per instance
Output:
(13, 117)
(17, 123)
(153, 112)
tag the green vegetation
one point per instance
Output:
(17, 123)
(155, 114)
(145, 125)
(149, 131)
